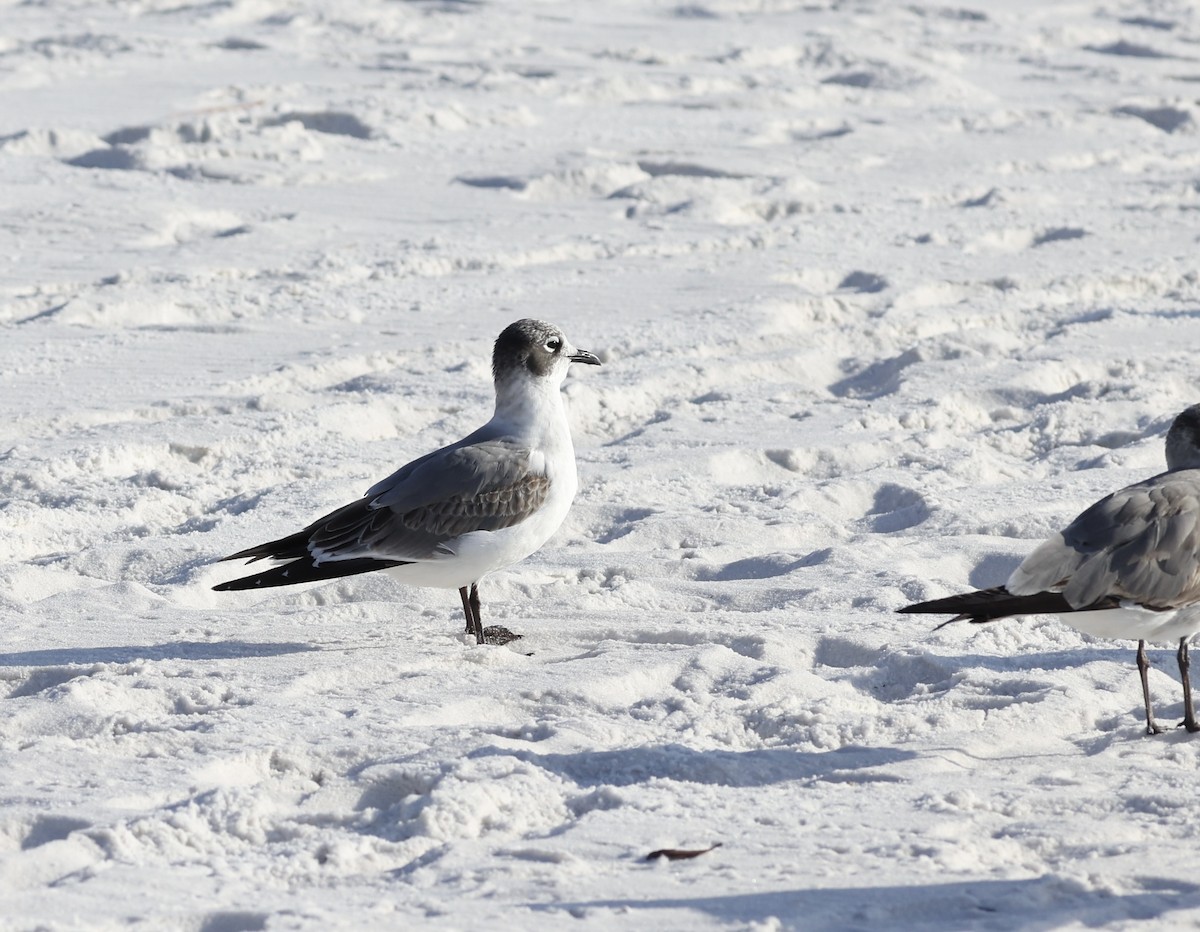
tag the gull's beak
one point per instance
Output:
(583, 356)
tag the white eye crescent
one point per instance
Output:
(554, 345)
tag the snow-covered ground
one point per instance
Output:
(885, 293)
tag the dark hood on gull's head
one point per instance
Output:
(535, 346)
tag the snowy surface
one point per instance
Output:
(885, 292)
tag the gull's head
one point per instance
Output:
(535, 349)
(1183, 440)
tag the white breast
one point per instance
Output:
(475, 554)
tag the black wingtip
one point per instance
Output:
(257, 581)
(993, 604)
(927, 608)
(301, 571)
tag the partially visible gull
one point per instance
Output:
(1128, 567)
(455, 515)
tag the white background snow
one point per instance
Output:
(885, 294)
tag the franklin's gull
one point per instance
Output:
(1127, 567)
(454, 515)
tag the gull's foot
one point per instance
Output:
(495, 634)
(1191, 726)
(1154, 729)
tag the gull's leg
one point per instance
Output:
(471, 611)
(466, 609)
(1143, 665)
(475, 609)
(492, 634)
(476, 620)
(1189, 713)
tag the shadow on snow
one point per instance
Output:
(172, 650)
(1033, 904)
(757, 767)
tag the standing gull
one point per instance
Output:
(1128, 567)
(458, 513)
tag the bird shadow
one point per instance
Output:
(1035, 660)
(1032, 904)
(172, 650)
(758, 767)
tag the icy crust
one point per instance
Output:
(885, 294)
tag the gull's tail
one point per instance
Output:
(991, 604)
(292, 547)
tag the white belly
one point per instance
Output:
(1137, 624)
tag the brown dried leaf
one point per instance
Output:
(681, 854)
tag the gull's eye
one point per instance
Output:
(554, 345)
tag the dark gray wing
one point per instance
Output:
(1141, 543)
(417, 512)
(473, 465)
